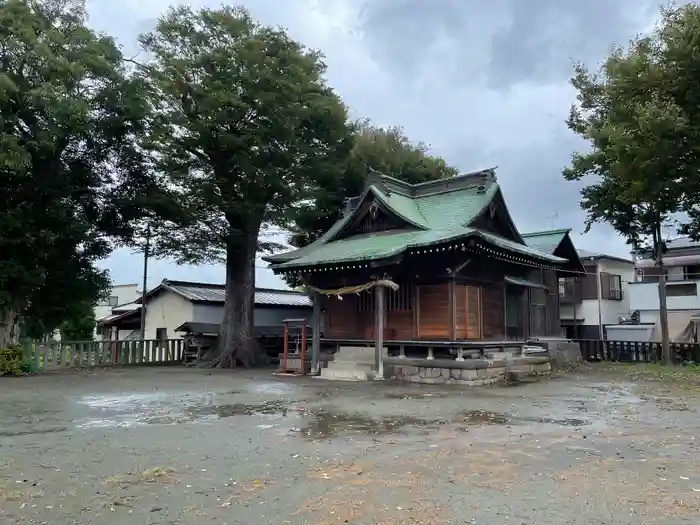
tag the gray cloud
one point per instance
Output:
(504, 41)
(484, 82)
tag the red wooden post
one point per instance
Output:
(286, 346)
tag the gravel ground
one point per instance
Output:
(181, 446)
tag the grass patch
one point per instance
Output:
(8, 494)
(674, 378)
(651, 371)
(152, 475)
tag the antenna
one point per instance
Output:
(553, 218)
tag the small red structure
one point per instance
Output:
(302, 351)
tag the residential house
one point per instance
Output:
(591, 301)
(681, 264)
(460, 268)
(175, 307)
(120, 296)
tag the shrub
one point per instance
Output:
(11, 360)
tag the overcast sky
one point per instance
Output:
(483, 82)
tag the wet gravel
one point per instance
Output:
(181, 446)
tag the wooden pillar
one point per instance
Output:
(574, 282)
(379, 332)
(452, 306)
(316, 334)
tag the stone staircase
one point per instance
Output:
(351, 363)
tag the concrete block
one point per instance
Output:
(347, 374)
(468, 375)
(435, 372)
(491, 372)
(355, 354)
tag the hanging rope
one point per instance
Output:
(358, 288)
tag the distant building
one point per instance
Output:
(120, 299)
(175, 307)
(588, 302)
(681, 264)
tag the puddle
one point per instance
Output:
(482, 417)
(271, 388)
(325, 424)
(180, 414)
(392, 395)
(35, 431)
(237, 409)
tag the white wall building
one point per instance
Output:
(595, 299)
(121, 298)
(602, 296)
(172, 304)
(682, 269)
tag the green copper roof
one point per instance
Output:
(435, 212)
(376, 246)
(546, 241)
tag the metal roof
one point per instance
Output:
(216, 293)
(585, 254)
(117, 316)
(547, 241)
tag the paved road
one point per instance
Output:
(179, 446)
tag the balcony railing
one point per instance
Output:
(612, 295)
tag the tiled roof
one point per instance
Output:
(546, 241)
(440, 211)
(441, 204)
(216, 293)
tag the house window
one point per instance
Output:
(112, 300)
(691, 272)
(682, 290)
(611, 286)
(567, 289)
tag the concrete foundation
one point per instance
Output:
(564, 353)
(473, 372)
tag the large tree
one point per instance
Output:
(639, 113)
(245, 124)
(69, 115)
(386, 150)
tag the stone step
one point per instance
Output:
(345, 375)
(339, 365)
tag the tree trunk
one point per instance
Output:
(236, 342)
(9, 328)
(663, 312)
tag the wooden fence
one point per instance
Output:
(636, 351)
(41, 357)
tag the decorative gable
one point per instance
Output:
(496, 219)
(372, 216)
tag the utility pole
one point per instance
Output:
(144, 289)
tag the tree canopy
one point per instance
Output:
(639, 114)
(226, 128)
(244, 126)
(69, 115)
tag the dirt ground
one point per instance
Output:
(182, 446)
